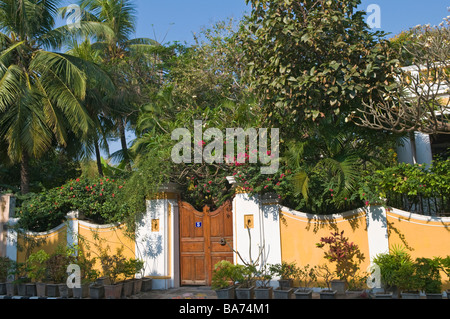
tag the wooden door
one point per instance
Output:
(205, 239)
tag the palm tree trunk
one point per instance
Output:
(123, 141)
(99, 159)
(25, 174)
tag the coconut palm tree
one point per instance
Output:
(120, 52)
(41, 89)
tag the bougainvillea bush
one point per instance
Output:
(97, 199)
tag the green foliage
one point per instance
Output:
(226, 274)
(428, 270)
(97, 199)
(399, 270)
(313, 60)
(117, 266)
(38, 265)
(57, 263)
(306, 275)
(284, 270)
(413, 182)
(346, 255)
(5, 268)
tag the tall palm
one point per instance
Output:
(118, 50)
(41, 91)
(95, 103)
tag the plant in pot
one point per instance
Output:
(428, 271)
(285, 272)
(224, 279)
(306, 276)
(398, 273)
(324, 272)
(20, 273)
(113, 267)
(444, 265)
(357, 286)
(246, 281)
(5, 265)
(38, 271)
(88, 274)
(263, 288)
(130, 268)
(11, 285)
(346, 256)
(57, 264)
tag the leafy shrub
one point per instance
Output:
(97, 199)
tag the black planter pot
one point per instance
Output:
(96, 291)
(285, 284)
(147, 284)
(264, 293)
(283, 293)
(226, 293)
(245, 293)
(434, 296)
(328, 294)
(303, 293)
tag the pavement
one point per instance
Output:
(178, 293)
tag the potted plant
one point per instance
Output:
(57, 264)
(398, 271)
(38, 271)
(130, 268)
(263, 289)
(21, 278)
(11, 285)
(346, 256)
(224, 279)
(246, 281)
(324, 272)
(390, 264)
(88, 274)
(285, 272)
(429, 271)
(357, 286)
(305, 276)
(5, 265)
(113, 267)
(444, 265)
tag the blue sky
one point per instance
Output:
(175, 20)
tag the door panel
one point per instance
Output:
(206, 238)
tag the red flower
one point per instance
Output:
(210, 182)
(101, 194)
(78, 179)
(113, 195)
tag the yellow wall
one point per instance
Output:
(301, 232)
(423, 237)
(94, 239)
(46, 241)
